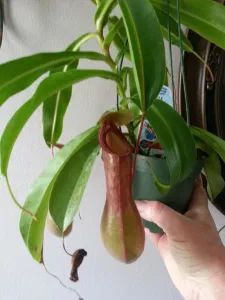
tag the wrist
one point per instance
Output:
(213, 287)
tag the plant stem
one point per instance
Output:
(86, 37)
(132, 136)
(60, 281)
(17, 203)
(138, 143)
(170, 48)
(64, 247)
(120, 87)
(182, 65)
(106, 51)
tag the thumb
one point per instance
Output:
(165, 217)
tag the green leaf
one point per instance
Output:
(55, 107)
(113, 31)
(133, 90)
(46, 89)
(38, 199)
(176, 140)
(77, 43)
(69, 186)
(212, 170)
(146, 47)
(206, 17)
(54, 110)
(103, 12)
(210, 140)
(120, 38)
(163, 19)
(18, 74)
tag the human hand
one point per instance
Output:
(191, 247)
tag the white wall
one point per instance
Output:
(49, 25)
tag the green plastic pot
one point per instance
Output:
(144, 187)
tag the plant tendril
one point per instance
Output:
(211, 75)
(182, 65)
(17, 203)
(138, 143)
(64, 247)
(60, 281)
(170, 48)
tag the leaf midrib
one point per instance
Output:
(142, 91)
(185, 12)
(88, 161)
(33, 71)
(54, 178)
(56, 109)
(172, 134)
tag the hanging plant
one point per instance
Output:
(164, 170)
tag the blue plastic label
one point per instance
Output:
(166, 95)
(148, 141)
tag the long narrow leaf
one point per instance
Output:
(78, 42)
(133, 90)
(69, 186)
(215, 181)
(113, 31)
(176, 140)
(163, 19)
(38, 199)
(206, 17)
(103, 13)
(146, 47)
(46, 89)
(210, 140)
(18, 74)
(54, 110)
(120, 38)
(55, 107)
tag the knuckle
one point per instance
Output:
(157, 209)
(157, 206)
